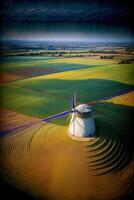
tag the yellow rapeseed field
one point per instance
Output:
(121, 73)
(124, 99)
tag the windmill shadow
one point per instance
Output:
(113, 150)
(50, 96)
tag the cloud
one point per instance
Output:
(89, 13)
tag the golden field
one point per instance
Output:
(124, 99)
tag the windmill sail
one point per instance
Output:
(74, 101)
(2, 133)
(27, 125)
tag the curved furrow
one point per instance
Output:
(115, 165)
(43, 133)
(55, 134)
(112, 162)
(96, 142)
(8, 144)
(59, 133)
(49, 136)
(92, 141)
(24, 141)
(121, 160)
(127, 184)
(13, 149)
(35, 131)
(101, 146)
(15, 144)
(106, 150)
(127, 179)
(125, 162)
(106, 160)
(97, 146)
(5, 150)
(17, 151)
(8, 149)
(26, 136)
(109, 156)
(36, 140)
(46, 136)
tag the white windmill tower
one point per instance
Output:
(82, 126)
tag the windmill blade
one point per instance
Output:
(73, 108)
(56, 116)
(2, 133)
(73, 105)
(74, 101)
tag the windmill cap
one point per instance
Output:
(83, 108)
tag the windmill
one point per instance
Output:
(81, 123)
(82, 126)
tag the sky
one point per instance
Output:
(93, 20)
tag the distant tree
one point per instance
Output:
(106, 57)
(60, 54)
(127, 61)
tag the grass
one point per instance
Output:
(121, 73)
(46, 95)
(87, 90)
(16, 63)
(32, 103)
(114, 120)
(10, 59)
(43, 103)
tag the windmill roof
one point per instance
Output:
(84, 108)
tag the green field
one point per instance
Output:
(46, 95)
(45, 149)
(11, 64)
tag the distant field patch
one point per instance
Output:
(29, 72)
(124, 99)
(11, 64)
(46, 95)
(5, 77)
(121, 73)
(24, 58)
(84, 60)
